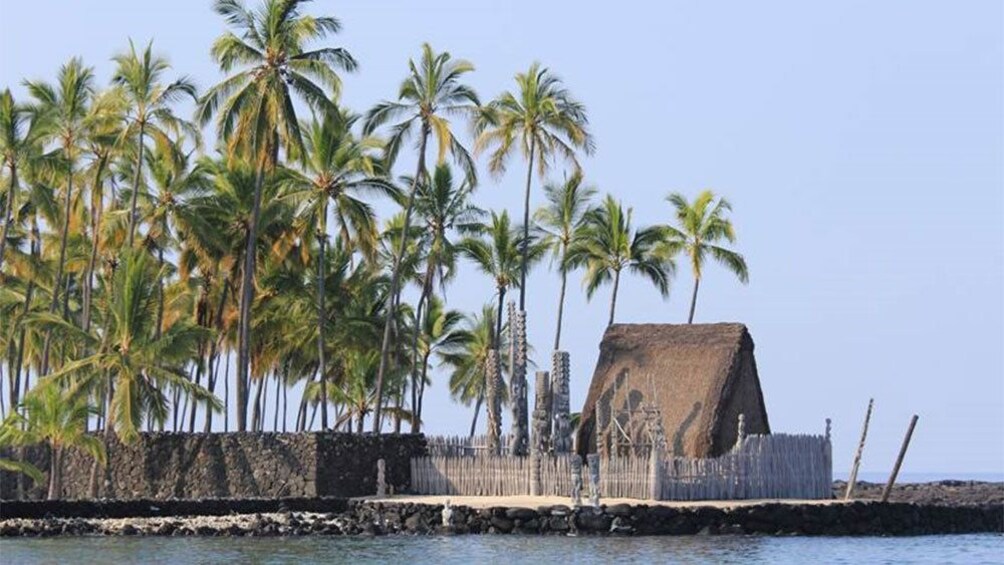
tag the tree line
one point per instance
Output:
(145, 273)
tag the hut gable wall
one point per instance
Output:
(694, 375)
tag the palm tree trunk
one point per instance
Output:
(256, 409)
(395, 278)
(199, 367)
(419, 310)
(285, 404)
(322, 237)
(55, 454)
(109, 432)
(8, 212)
(526, 226)
(497, 338)
(275, 415)
(693, 300)
(160, 293)
(561, 309)
(57, 282)
(301, 414)
(213, 351)
(247, 295)
(96, 209)
(136, 182)
(263, 400)
(477, 410)
(613, 297)
(15, 393)
(226, 393)
(421, 392)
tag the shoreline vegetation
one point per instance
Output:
(941, 507)
(150, 281)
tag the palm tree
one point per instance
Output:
(65, 107)
(544, 121)
(219, 230)
(138, 361)
(256, 115)
(562, 221)
(338, 168)
(609, 245)
(102, 143)
(438, 332)
(495, 251)
(431, 92)
(702, 224)
(149, 108)
(58, 419)
(467, 360)
(20, 143)
(442, 207)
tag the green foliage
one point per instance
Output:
(136, 265)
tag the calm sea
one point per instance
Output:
(977, 548)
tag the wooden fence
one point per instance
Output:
(453, 446)
(772, 466)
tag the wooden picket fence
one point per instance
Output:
(453, 446)
(771, 466)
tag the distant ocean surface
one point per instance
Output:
(968, 549)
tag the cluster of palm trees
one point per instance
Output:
(143, 273)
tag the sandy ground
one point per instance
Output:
(536, 501)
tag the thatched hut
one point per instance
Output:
(684, 384)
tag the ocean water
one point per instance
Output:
(967, 549)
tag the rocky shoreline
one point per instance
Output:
(379, 518)
(948, 492)
(943, 507)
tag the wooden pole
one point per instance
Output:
(899, 459)
(853, 479)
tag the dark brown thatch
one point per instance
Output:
(697, 377)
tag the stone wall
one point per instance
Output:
(235, 465)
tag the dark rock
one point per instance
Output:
(622, 510)
(521, 513)
(558, 523)
(502, 524)
(592, 520)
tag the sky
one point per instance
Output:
(861, 145)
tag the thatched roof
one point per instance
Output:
(698, 377)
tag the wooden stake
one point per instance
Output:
(899, 459)
(853, 479)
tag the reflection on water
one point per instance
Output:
(982, 548)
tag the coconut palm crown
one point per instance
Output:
(544, 121)
(701, 225)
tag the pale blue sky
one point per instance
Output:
(861, 144)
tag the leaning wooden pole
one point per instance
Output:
(853, 479)
(899, 459)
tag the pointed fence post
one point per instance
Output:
(899, 459)
(853, 479)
